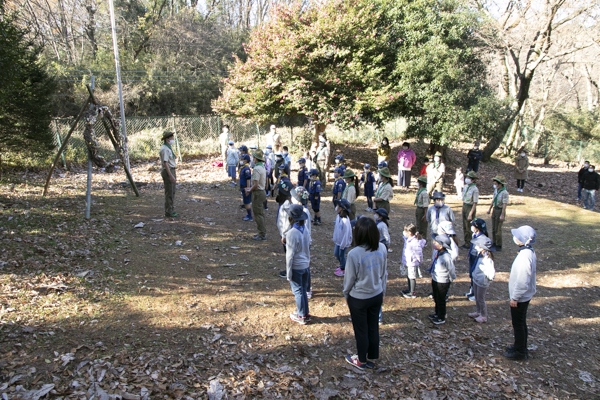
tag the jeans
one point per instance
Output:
(365, 321)
(439, 296)
(579, 187)
(589, 198)
(404, 178)
(300, 285)
(519, 323)
(340, 254)
(520, 183)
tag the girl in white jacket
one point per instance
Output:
(412, 257)
(483, 274)
(342, 235)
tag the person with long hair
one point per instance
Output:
(364, 287)
(384, 150)
(351, 191)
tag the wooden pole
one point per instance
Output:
(64, 144)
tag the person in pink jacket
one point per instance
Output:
(406, 160)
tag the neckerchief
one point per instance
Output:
(421, 190)
(526, 247)
(496, 196)
(467, 191)
(299, 227)
(380, 188)
(170, 148)
(256, 164)
(435, 259)
(346, 189)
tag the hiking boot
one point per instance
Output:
(353, 360)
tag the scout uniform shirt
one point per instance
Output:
(166, 154)
(471, 194)
(259, 173)
(500, 198)
(422, 198)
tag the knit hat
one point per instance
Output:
(525, 234)
(297, 212)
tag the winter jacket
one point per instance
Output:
(366, 272)
(591, 181)
(521, 284)
(521, 165)
(484, 272)
(412, 254)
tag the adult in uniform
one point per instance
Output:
(168, 164)
(469, 209)
(322, 159)
(499, 204)
(259, 196)
(435, 174)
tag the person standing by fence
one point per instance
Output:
(224, 139)
(591, 184)
(259, 182)
(168, 164)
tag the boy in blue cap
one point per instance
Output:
(339, 184)
(302, 173)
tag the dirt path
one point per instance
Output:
(181, 308)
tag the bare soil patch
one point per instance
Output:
(192, 307)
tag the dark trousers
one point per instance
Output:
(519, 323)
(520, 183)
(466, 210)
(439, 296)
(169, 191)
(365, 321)
(421, 220)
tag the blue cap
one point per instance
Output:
(269, 146)
(339, 157)
(243, 148)
(367, 166)
(302, 160)
(337, 170)
(382, 164)
(245, 157)
(313, 172)
(231, 142)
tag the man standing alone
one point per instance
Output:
(168, 164)
(259, 196)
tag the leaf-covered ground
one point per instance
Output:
(192, 308)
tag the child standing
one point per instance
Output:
(246, 183)
(342, 235)
(412, 257)
(422, 203)
(521, 288)
(438, 212)
(351, 191)
(479, 230)
(302, 173)
(297, 262)
(339, 163)
(381, 218)
(459, 183)
(368, 180)
(442, 274)
(483, 274)
(423, 170)
(447, 228)
(233, 159)
(314, 191)
(384, 193)
(338, 186)
(284, 198)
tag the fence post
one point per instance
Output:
(59, 142)
(176, 139)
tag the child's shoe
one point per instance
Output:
(339, 272)
(481, 319)
(247, 218)
(409, 295)
(353, 360)
(294, 317)
(473, 314)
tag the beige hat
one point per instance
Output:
(258, 154)
(167, 134)
(385, 171)
(500, 179)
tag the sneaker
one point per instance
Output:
(469, 293)
(369, 209)
(294, 317)
(266, 208)
(438, 321)
(409, 295)
(405, 291)
(339, 272)
(309, 294)
(247, 218)
(259, 237)
(481, 319)
(473, 314)
(353, 360)
(242, 206)
(515, 355)
(390, 251)
(283, 274)
(232, 184)
(172, 215)
(471, 298)
(432, 316)
(370, 364)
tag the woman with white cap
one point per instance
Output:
(521, 288)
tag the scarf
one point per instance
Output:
(299, 227)
(418, 193)
(170, 148)
(496, 196)
(380, 188)
(346, 189)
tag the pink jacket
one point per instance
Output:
(406, 158)
(412, 254)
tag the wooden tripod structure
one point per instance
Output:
(112, 130)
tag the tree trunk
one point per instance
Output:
(319, 128)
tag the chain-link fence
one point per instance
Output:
(199, 135)
(571, 151)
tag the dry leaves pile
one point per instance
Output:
(129, 305)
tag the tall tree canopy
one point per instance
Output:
(25, 92)
(364, 61)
